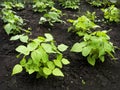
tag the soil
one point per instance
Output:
(103, 76)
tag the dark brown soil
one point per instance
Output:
(104, 76)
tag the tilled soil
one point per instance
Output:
(104, 76)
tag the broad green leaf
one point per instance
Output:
(91, 60)
(40, 73)
(65, 61)
(30, 61)
(39, 40)
(47, 71)
(30, 71)
(77, 47)
(31, 67)
(62, 47)
(43, 54)
(113, 1)
(50, 65)
(32, 46)
(48, 48)
(23, 62)
(57, 72)
(22, 49)
(16, 37)
(59, 57)
(102, 58)
(49, 37)
(58, 63)
(17, 69)
(8, 28)
(101, 51)
(86, 51)
(108, 47)
(24, 38)
(36, 56)
(54, 47)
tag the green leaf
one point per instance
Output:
(8, 28)
(65, 61)
(22, 49)
(58, 63)
(59, 56)
(91, 60)
(44, 55)
(16, 37)
(86, 51)
(102, 58)
(23, 62)
(50, 65)
(48, 48)
(49, 37)
(62, 47)
(32, 46)
(17, 69)
(47, 71)
(77, 47)
(24, 38)
(101, 51)
(57, 72)
(30, 71)
(36, 56)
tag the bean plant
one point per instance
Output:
(11, 5)
(41, 56)
(51, 17)
(73, 4)
(100, 3)
(82, 25)
(112, 14)
(95, 46)
(42, 5)
(13, 23)
(91, 15)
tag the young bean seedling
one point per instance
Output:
(95, 46)
(42, 56)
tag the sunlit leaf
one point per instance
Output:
(17, 69)
(57, 72)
